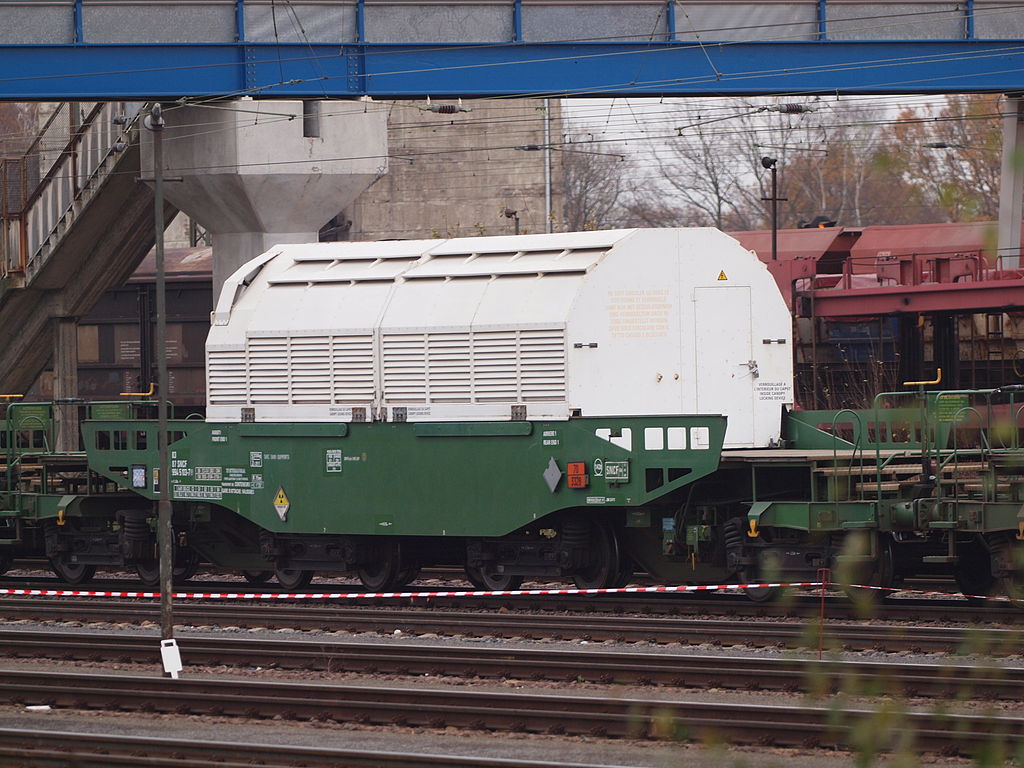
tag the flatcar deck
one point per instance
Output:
(791, 455)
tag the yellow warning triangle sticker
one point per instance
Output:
(721, 275)
(281, 504)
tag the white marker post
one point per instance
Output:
(171, 656)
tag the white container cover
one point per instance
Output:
(633, 322)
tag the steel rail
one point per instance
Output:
(60, 749)
(782, 634)
(597, 716)
(700, 604)
(987, 681)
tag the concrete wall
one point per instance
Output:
(452, 175)
(459, 176)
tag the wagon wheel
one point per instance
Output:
(754, 575)
(973, 572)
(880, 572)
(486, 578)
(1007, 555)
(383, 575)
(148, 572)
(626, 569)
(604, 567)
(186, 563)
(293, 578)
(6, 561)
(185, 566)
(257, 577)
(385, 571)
(407, 576)
(759, 594)
(72, 573)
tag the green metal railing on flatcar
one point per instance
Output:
(29, 430)
(952, 431)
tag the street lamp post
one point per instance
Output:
(770, 163)
(508, 213)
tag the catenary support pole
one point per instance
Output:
(548, 213)
(775, 213)
(163, 504)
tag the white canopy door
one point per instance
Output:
(726, 371)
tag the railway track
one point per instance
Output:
(800, 604)
(656, 629)
(577, 665)
(795, 605)
(595, 716)
(60, 749)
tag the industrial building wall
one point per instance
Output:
(454, 175)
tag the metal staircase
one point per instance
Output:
(74, 221)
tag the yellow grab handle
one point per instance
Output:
(152, 390)
(938, 378)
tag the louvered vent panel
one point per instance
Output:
(495, 368)
(448, 368)
(226, 380)
(481, 367)
(301, 370)
(404, 367)
(352, 369)
(542, 365)
(268, 371)
(310, 369)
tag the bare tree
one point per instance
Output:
(593, 182)
(642, 208)
(849, 177)
(845, 162)
(711, 175)
(858, 165)
(953, 154)
(700, 180)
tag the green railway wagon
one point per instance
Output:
(506, 499)
(572, 407)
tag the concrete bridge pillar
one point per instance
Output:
(1011, 188)
(259, 173)
(65, 381)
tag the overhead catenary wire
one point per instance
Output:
(269, 117)
(635, 139)
(651, 120)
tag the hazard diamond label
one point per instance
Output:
(281, 504)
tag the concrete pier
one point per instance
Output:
(259, 173)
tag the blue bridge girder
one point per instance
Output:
(141, 49)
(171, 71)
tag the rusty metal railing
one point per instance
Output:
(44, 189)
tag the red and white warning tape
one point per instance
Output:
(362, 595)
(923, 592)
(473, 593)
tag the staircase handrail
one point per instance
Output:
(79, 164)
